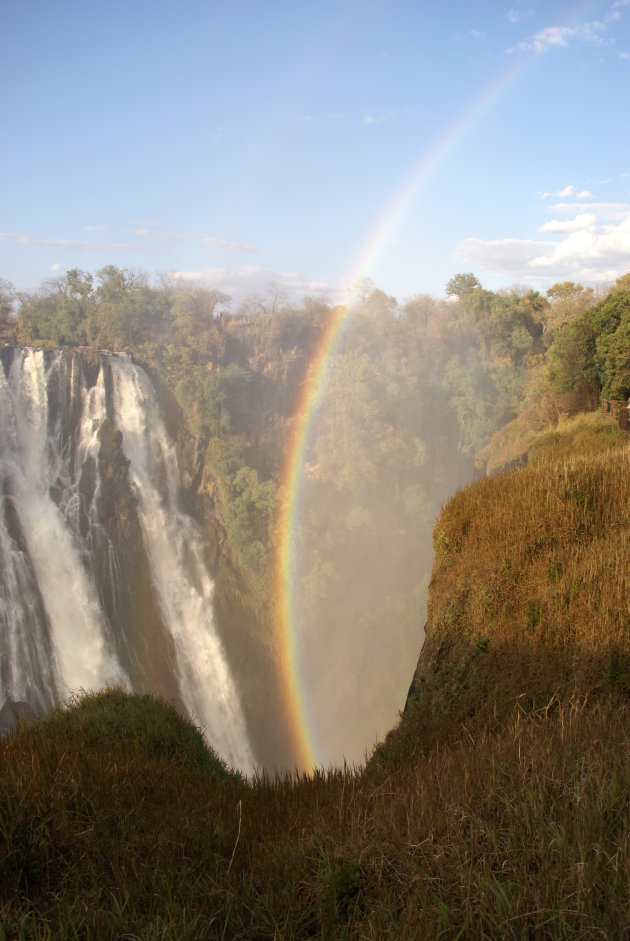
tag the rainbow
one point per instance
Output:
(313, 389)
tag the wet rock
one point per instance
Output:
(14, 714)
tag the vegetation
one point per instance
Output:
(416, 392)
(498, 808)
(113, 720)
(528, 585)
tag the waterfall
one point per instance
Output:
(102, 575)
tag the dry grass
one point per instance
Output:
(519, 831)
(538, 431)
(498, 809)
(530, 592)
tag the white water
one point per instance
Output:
(54, 633)
(183, 585)
(30, 463)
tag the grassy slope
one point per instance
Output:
(499, 807)
(531, 581)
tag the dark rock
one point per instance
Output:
(14, 714)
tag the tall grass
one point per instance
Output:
(530, 592)
(516, 831)
(499, 808)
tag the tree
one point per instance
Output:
(571, 360)
(196, 308)
(362, 288)
(115, 281)
(79, 283)
(7, 299)
(622, 283)
(462, 284)
(567, 301)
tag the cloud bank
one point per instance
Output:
(591, 246)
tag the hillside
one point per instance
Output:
(498, 808)
(528, 594)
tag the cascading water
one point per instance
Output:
(102, 577)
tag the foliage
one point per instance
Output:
(499, 806)
(591, 355)
(7, 298)
(114, 720)
(412, 394)
(567, 300)
(501, 811)
(462, 284)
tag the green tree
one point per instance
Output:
(571, 361)
(462, 284)
(567, 300)
(7, 300)
(611, 322)
(622, 283)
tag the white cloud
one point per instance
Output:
(146, 232)
(500, 256)
(623, 55)
(35, 241)
(583, 221)
(585, 194)
(558, 36)
(241, 283)
(515, 16)
(55, 268)
(95, 228)
(24, 238)
(370, 119)
(590, 247)
(610, 212)
(229, 246)
(563, 193)
(544, 39)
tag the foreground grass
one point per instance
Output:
(500, 807)
(516, 831)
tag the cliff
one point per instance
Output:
(528, 599)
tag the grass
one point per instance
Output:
(527, 439)
(520, 830)
(499, 807)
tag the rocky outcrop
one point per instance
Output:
(15, 714)
(117, 505)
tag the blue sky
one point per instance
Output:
(240, 142)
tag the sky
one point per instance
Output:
(308, 145)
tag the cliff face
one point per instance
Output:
(147, 650)
(528, 599)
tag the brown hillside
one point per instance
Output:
(530, 593)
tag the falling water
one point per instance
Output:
(102, 576)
